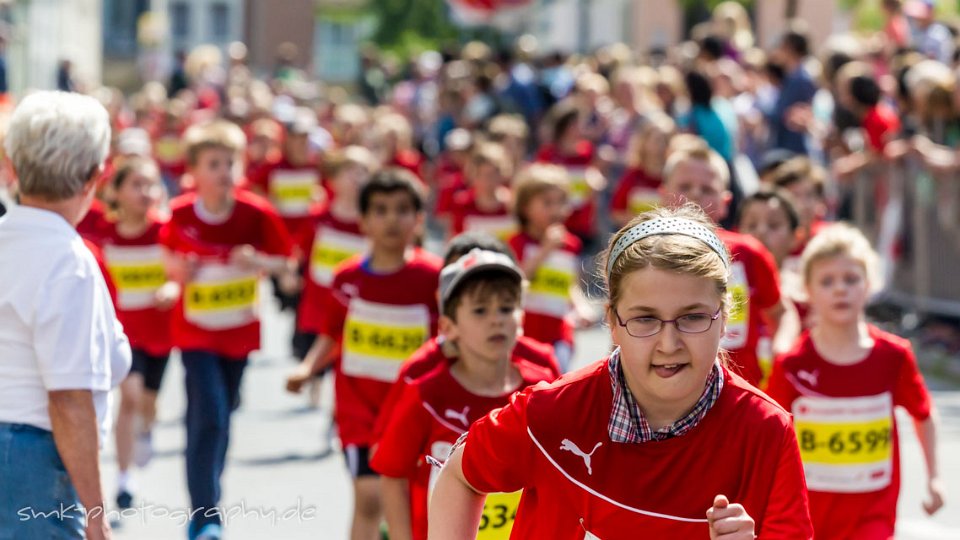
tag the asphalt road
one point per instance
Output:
(284, 480)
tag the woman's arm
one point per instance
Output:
(927, 433)
(455, 507)
(396, 507)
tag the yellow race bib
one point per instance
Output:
(168, 149)
(549, 292)
(330, 248)
(846, 443)
(293, 191)
(137, 272)
(499, 513)
(501, 227)
(221, 297)
(642, 200)
(377, 338)
(580, 190)
(739, 321)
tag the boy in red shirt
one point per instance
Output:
(696, 174)
(220, 240)
(382, 308)
(480, 304)
(485, 205)
(548, 253)
(842, 381)
(625, 447)
(134, 259)
(637, 191)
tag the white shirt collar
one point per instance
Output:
(37, 217)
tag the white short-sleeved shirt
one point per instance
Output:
(58, 328)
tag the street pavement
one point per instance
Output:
(285, 481)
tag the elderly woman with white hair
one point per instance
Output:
(61, 347)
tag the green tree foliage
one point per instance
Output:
(407, 25)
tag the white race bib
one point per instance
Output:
(739, 321)
(580, 190)
(330, 248)
(292, 191)
(846, 443)
(549, 292)
(377, 338)
(221, 297)
(501, 227)
(138, 272)
(642, 199)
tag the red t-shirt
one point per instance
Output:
(98, 256)
(410, 160)
(582, 220)
(552, 441)
(378, 320)
(448, 186)
(93, 224)
(548, 299)
(881, 124)
(755, 286)
(170, 154)
(429, 416)
(431, 355)
(292, 189)
(467, 216)
(636, 192)
(847, 431)
(327, 244)
(136, 266)
(217, 311)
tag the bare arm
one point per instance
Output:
(455, 507)
(316, 360)
(927, 433)
(396, 507)
(74, 422)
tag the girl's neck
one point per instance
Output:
(485, 378)
(487, 199)
(131, 224)
(659, 414)
(216, 204)
(344, 210)
(842, 344)
(386, 261)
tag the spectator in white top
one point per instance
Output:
(61, 347)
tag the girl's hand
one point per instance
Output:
(167, 295)
(245, 257)
(936, 495)
(729, 521)
(554, 236)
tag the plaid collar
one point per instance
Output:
(627, 423)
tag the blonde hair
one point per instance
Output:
(337, 160)
(671, 252)
(842, 240)
(535, 180)
(219, 134)
(509, 125)
(701, 153)
(657, 124)
(493, 154)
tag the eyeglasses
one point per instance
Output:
(692, 323)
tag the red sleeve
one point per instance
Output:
(405, 438)
(788, 509)
(764, 278)
(332, 324)
(911, 392)
(498, 453)
(779, 388)
(305, 240)
(390, 404)
(516, 244)
(98, 255)
(276, 239)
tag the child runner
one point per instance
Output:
(220, 240)
(134, 259)
(480, 318)
(699, 175)
(548, 253)
(637, 191)
(382, 308)
(485, 205)
(335, 238)
(842, 381)
(600, 453)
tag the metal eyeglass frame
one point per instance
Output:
(623, 324)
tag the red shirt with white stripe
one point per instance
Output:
(378, 320)
(552, 441)
(468, 216)
(848, 433)
(582, 220)
(292, 189)
(428, 418)
(324, 246)
(137, 269)
(547, 304)
(637, 192)
(755, 286)
(217, 311)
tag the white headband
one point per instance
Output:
(659, 226)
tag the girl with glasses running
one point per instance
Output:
(659, 437)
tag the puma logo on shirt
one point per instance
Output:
(461, 416)
(809, 377)
(571, 447)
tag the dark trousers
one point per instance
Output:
(213, 392)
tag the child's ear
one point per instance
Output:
(447, 327)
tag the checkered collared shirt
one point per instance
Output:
(627, 423)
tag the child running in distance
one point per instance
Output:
(381, 309)
(842, 381)
(637, 191)
(600, 452)
(220, 241)
(134, 258)
(696, 174)
(480, 298)
(549, 255)
(485, 205)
